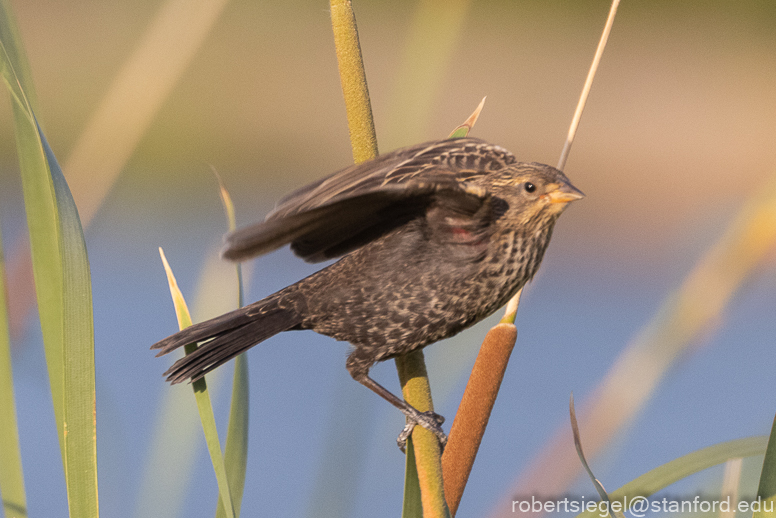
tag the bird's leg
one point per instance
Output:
(428, 420)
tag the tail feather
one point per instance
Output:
(202, 331)
(225, 337)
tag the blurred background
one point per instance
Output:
(139, 100)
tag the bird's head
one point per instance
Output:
(534, 193)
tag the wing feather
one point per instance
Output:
(458, 159)
(356, 205)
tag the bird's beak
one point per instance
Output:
(565, 194)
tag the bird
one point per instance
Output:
(431, 239)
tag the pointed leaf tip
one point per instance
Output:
(181, 309)
(463, 130)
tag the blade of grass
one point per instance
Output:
(231, 223)
(236, 449)
(63, 289)
(65, 305)
(412, 506)
(617, 513)
(42, 221)
(578, 445)
(686, 465)
(11, 475)
(80, 401)
(599, 51)
(177, 428)
(766, 490)
(14, 57)
(202, 397)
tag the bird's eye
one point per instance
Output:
(529, 187)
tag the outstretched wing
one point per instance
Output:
(356, 205)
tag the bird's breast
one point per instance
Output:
(403, 301)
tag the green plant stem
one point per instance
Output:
(428, 453)
(353, 79)
(364, 142)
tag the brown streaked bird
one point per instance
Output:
(433, 238)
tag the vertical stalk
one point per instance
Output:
(428, 453)
(353, 78)
(412, 368)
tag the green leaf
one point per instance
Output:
(767, 487)
(62, 283)
(14, 62)
(177, 427)
(236, 451)
(43, 224)
(578, 445)
(11, 475)
(413, 506)
(80, 419)
(463, 130)
(202, 397)
(686, 465)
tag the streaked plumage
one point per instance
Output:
(435, 238)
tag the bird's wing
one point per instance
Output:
(463, 159)
(354, 206)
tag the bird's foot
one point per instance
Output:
(428, 420)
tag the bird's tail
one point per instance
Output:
(225, 337)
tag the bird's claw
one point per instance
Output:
(428, 420)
